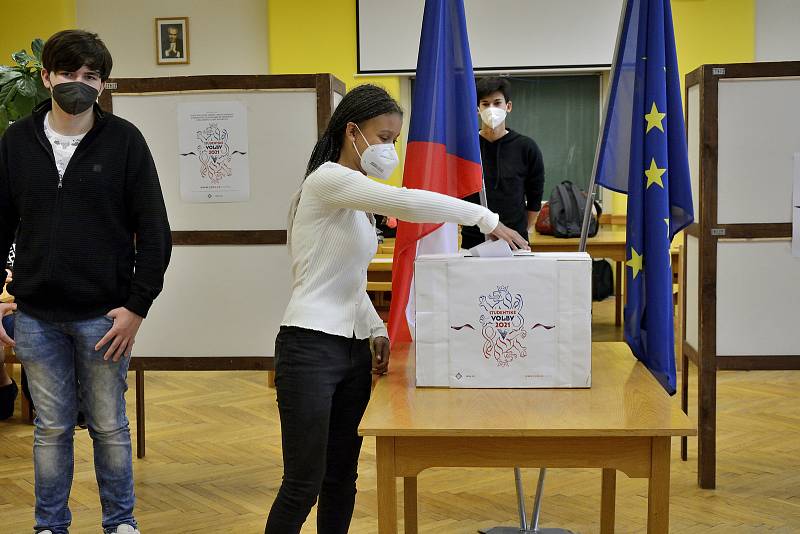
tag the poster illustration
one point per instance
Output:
(213, 148)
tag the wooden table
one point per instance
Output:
(379, 277)
(624, 422)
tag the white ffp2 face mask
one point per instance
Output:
(378, 160)
(493, 117)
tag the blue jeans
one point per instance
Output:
(64, 371)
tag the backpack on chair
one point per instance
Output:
(567, 202)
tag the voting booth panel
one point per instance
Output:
(741, 289)
(229, 159)
(229, 278)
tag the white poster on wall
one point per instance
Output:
(212, 152)
(796, 208)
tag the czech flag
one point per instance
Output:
(443, 151)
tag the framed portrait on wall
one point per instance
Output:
(172, 40)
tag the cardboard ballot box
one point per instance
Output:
(514, 322)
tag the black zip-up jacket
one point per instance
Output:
(95, 241)
(513, 173)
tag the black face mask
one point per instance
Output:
(74, 97)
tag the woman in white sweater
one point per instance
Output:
(323, 356)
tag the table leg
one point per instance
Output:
(140, 413)
(410, 505)
(618, 294)
(706, 422)
(658, 488)
(387, 485)
(608, 501)
(271, 379)
(684, 401)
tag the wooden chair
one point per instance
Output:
(9, 361)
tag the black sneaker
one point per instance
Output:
(8, 394)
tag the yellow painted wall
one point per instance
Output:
(714, 31)
(709, 31)
(320, 36)
(42, 20)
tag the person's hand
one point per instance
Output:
(121, 335)
(5, 309)
(512, 237)
(380, 355)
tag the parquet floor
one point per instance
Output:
(213, 466)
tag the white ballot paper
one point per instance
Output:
(491, 249)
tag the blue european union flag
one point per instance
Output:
(643, 153)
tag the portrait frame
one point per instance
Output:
(167, 51)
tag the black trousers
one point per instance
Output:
(323, 384)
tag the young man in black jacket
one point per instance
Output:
(79, 189)
(513, 169)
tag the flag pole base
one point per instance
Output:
(537, 507)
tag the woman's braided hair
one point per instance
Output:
(360, 104)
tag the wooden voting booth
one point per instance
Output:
(228, 282)
(742, 291)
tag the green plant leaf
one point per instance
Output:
(26, 87)
(22, 106)
(3, 120)
(12, 111)
(22, 58)
(7, 92)
(41, 92)
(36, 47)
(8, 76)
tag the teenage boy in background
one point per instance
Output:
(513, 169)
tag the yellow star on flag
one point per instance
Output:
(635, 262)
(654, 174)
(654, 119)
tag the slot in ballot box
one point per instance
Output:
(515, 322)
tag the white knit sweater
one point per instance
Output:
(332, 240)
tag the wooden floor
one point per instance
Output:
(213, 466)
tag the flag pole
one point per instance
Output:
(482, 192)
(587, 210)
